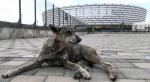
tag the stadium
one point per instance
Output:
(106, 16)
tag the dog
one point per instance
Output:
(63, 49)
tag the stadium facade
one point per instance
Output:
(98, 15)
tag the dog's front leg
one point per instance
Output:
(84, 73)
(27, 66)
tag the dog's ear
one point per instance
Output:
(54, 29)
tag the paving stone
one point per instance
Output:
(27, 54)
(21, 59)
(4, 79)
(51, 71)
(60, 79)
(125, 54)
(125, 57)
(144, 51)
(22, 78)
(120, 75)
(100, 69)
(102, 76)
(129, 80)
(10, 55)
(2, 72)
(2, 62)
(110, 60)
(147, 69)
(122, 64)
(7, 67)
(31, 72)
(15, 51)
(142, 65)
(138, 61)
(109, 52)
(94, 80)
(135, 73)
(1, 59)
(69, 73)
(14, 63)
(5, 59)
(124, 60)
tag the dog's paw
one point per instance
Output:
(8, 74)
(113, 76)
(77, 75)
(85, 74)
(5, 75)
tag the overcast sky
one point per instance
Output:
(9, 8)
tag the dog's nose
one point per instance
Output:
(79, 39)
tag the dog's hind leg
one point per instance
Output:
(84, 73)
(25, 67)
(91, 56)
(108, 67)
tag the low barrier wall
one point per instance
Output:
(9, 30)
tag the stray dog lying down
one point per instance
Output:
(63, 50)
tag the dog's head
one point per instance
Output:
(65, 34)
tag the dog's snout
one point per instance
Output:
(79, 39)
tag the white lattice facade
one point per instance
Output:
(102, 14)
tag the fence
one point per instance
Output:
(50, 14)
(56, 16)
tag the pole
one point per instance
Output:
(58, 16)
(34, 31)
(66, 17)
(63, 18)
(70, 20)
(45, 13)
(35, 13)
(76, 17)
(20, 20)
(53, 14)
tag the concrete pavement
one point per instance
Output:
(128, 53)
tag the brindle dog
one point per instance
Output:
(63, 50)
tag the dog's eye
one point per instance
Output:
(74, 29)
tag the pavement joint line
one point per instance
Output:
(31, 44)
(38, 39)
(6, 59)
(4, 42)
